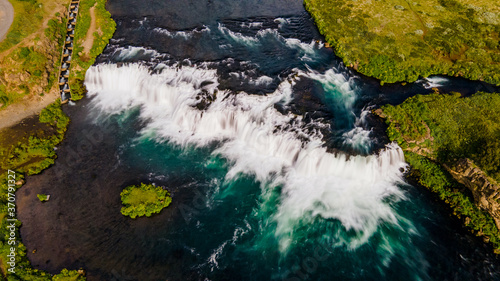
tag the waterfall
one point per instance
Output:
(258, 140)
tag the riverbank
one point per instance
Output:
(224, 215)
(400, 41)
(93, 32)
(26, 149)
(27, 140)
(452, 146)
(25, 89)
(6, 17)
(29, 106)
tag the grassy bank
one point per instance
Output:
(439, 129)
(83, 60)
(27, 149)
(400, 40)
(29, 59)
(30, 53)
(144, 200)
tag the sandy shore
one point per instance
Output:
(6, 17)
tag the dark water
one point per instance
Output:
(242, 113)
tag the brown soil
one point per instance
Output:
(89, 38)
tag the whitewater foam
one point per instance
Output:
(307, 51)
(186, 35)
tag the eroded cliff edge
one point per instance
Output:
(452, 145)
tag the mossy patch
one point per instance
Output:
(144, 200)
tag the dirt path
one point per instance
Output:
(29, 106)
(6, 17)
(89, 38)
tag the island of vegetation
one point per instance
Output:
(397, 41)
(453, 146)
(29, 59)
(30, 52)
(43, 197)
(144, 200)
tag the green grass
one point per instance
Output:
(42, 197)
(34, 66)
(28, 16)
(439, 129)
(68, 275)
(144, 200)
(82, 61)
(397, 41)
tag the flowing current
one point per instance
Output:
(277, 169)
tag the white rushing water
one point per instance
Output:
(307, 51)
(258, 140)
(433, 82)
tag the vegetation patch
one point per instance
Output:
(28, 148)
(29, 151)
(398, 40)
(448, 127)
(29, 63)
(144, 200)
(69, 275)
(440, 129)
(29, 58)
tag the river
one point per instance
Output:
(277, 169)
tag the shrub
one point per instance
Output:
(144, 200)
(42, 197)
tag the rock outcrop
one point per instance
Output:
(486, 191)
